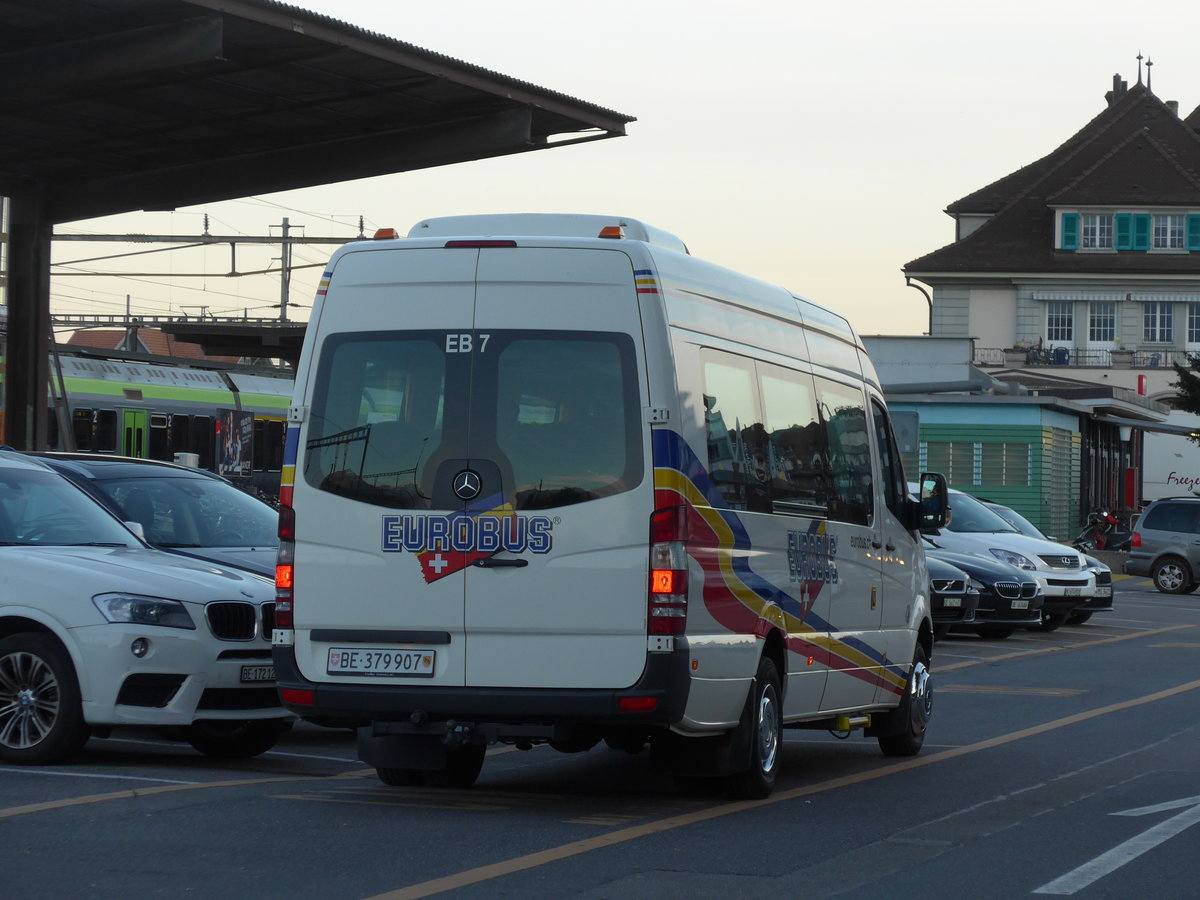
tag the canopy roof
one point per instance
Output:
(116, 105)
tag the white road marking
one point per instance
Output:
(1106, 863)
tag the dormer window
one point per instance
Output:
(1168, 232)
(1097, 232)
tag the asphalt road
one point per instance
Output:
(1062, 764)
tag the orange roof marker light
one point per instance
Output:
(616, 232)
(386, 234)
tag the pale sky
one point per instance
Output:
(811, 145)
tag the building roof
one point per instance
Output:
(110, 106)
(1137, 151)
(150, 340)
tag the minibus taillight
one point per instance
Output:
(667, 594)
(284, 569)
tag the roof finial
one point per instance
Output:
(1149, 63)
(1139, 59)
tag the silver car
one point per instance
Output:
(1166, 545)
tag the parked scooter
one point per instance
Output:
(1101, 533)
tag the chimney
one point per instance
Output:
(1173, 107)
(1120, 86)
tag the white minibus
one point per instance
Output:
(550, 479)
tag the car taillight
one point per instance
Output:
(285, 569)
(668, 590)
(1136, 539)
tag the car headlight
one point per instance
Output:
(978, 586)
(137, 609)
(1013, 559)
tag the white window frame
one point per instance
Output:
(1168, 231)
(1096, 231)
(1158, 322)
(1102, 324)
(1060, 323)
(1193, 328)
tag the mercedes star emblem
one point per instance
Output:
(466, 485)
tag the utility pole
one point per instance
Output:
(285, 272)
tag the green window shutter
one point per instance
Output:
(1123, 224)
(1141, 232)
(1070, 231)
(1193, 232)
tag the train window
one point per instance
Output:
(106, 431)
(201, 441)
(274, 433)
(260, 450)
(180, 433)
(81, 423)
(160, 446)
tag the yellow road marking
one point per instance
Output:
(621, 836)
(167, 789)
(1000, 689)
(1016, 654)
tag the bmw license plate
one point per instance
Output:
(257, 673)
(1104, 592)
(380, 663)
(1020, 604)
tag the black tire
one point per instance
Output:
(1078, 617)
(462, 768)
(236, 740)
(1049, 622)
(912, 715)
(1172, 575)
(994, 632)
(41, 713)
(761, 727)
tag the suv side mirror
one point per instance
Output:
(930, 513)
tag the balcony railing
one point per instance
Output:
(1079, 359)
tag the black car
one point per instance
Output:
(1009, 598)
(180, 509)
(952, 599)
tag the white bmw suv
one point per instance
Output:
(1061, 571)
(98, 630)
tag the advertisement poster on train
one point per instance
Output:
(235, 442)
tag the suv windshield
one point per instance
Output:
(194, 512)
(968, 516)
(42, 508)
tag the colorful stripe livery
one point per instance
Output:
(287, 474)
(323, 284)
(738, 598)
(645, 281)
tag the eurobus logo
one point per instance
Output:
(447, 544)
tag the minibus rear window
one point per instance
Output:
(549, 418)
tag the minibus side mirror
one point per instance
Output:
(930, 512)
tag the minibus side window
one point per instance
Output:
(844, 416)
(892, 469)
(738, 455)
(797, 453)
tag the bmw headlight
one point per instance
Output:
(976, 585)
(136, 609)
(1013, 559)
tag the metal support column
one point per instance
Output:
(27, 368)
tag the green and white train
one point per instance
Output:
(159, 411)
